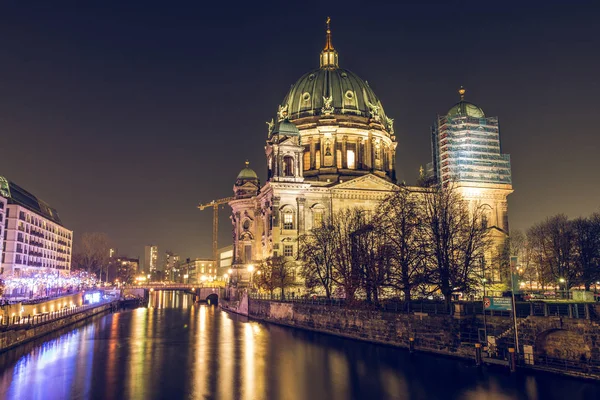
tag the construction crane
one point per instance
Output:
(215, 205)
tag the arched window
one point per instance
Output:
(486, 216)
(350, 159)
(288, 166)
(288, 219)
(306, 160)
(318, 159)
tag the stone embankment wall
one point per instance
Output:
(15, 337)
(433, 333)
(575, 340)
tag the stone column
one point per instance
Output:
(369, 152)
(276, 213)
(344, 152)
(359, 155)
(311, 165)
(301, 217)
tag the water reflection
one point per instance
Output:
(177, 349)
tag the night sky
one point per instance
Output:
(125, 116)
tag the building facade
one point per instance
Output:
(466, 153)
(198, 271)
(331, 147)
(150, 259)
(225, 262)
(34, 238)
(3, 208)
(171, 265)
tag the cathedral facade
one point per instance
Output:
(331, 147)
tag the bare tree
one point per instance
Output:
(283, 272)
(92, 252)
(559, 244)
(455, 239)
(125, 272)
(399, 219)
(587, 249)
(317, 250)
(346, 274)
(266, 280)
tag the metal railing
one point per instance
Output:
(29, 321)
(583, 366)
(523, 309)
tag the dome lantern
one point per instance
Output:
(329, 56)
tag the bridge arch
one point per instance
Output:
(563, 344)
(212, 299)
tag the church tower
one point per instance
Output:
(284, 152)
(467, 154)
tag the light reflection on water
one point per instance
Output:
(177, 349)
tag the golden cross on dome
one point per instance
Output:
(462, 92)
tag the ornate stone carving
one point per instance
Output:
(270, 125)
(373, 108)
(390, 124)
(327, 106)
(282, 112)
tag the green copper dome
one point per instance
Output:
(331, 90)
(464, 108)
(247, 174)
(287, 128)
(327, 91)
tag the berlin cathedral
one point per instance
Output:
(332, 146)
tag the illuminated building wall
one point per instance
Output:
(225, 260)
(150, 258)
(34, 238)
(2, 217)
(198, 271)
(171, 265)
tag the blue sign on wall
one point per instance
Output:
(497, 303)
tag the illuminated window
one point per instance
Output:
(318, 218)
(288, 221)
(350, 159)
(338, 156)
(306, 160)
(318, 159)
(288, 250)
(288, 166)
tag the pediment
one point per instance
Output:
(367, 182)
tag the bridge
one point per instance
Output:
(209, 294)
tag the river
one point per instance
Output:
(175, 349)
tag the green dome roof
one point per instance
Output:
(464, 108)
(334, 91)
(247, 173)
(285, 127)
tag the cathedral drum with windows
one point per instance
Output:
(330, 147)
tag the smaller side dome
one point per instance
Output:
(464, 108)
(287, 128)
(247, 174)
(246, 184)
